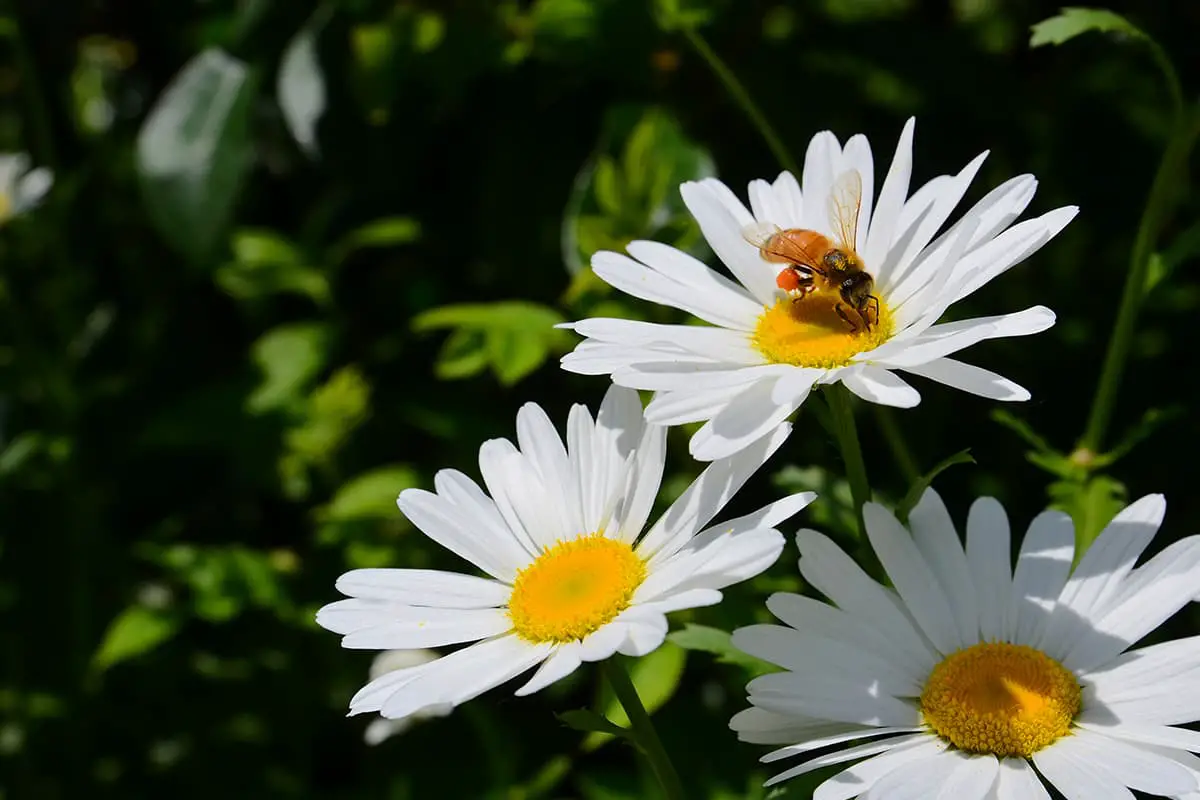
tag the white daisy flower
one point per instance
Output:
(382, 729)
(20, 187)
(973, 680)
(766, 347)
(571, 577)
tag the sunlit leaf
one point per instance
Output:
(384, 232)
(300, 87)
(1091, 504)
(720, 643)
(194, 150)
(266, 263)
(656, 677)
(512, 338)
(370, 495)
(290, 357)
(135, 631)
(1071, 22)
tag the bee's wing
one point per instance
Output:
(759, 233)
(845, 201)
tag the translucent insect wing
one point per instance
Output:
(845, 201)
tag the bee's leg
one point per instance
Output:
(805, 289)
(865, 311)
(840, 308)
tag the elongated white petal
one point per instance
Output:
(881, 386)
(405, 627)
(722, 223)
(1042, 570)
(561, 663)
(752, 414)
(1016, 780)
(459, 533)
(895, 752)
(824, 153)
(891, 201)
(942, 340)
(991, 570)
(972, 379)
(424, 587)
(934, 534)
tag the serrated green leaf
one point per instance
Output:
(656, 676)
(370, 495)
(135, 631)
(194, 150)
(1071, 22)
(720, 643)
(913, 496)
(517, 337)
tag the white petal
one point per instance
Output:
(602, 643)
(856, 155)
(1016, 780)
(713, 343)
(712, 560)
(465, 674)
(918, 779)
(759, 726)
(1075, 776)
(896, 752)
(31, 189)
(1136, 767)
(820, 160)
(790, 201)
(520, 495)
(989, 556)
(424, 587)
(752, 414)
(392, 627)
(691, 405)
(855, 781)
(825, 622)
(935, 536)
(850, 734)
(667, 276)
(605, 470)
(707, 495)
(1100, 572)
(891, 199)
(1010, 248)
(972, 379)
(972, 778)
(458, 531)
(912, 577)
(561, 663)
(763, 203)
(1140, 733)
(834, 695)
(633, 509)
(769, 516)
(645, 630)
(1043, 566)
(543, 448)
(721, 223)
(881, 386)
(829, 570)
(692, 598)
(942, 340)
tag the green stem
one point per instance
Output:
(643, 729)
(41, 131)
(743, 99)
(846, 432)
(1159, 205)
(906, 462)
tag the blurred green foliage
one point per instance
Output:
(300, 256)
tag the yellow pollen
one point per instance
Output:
(574, 588)
(1004, 699)
(809, 333)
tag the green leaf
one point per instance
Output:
(300, 87)
(835, 512)
(656, 677)
(1073, 21)
(194, 150)
(588, 721)
(676, 14)
(1023, 429)
(1091, 504)
(290, 357)
(919, 486)
(370, 495)
(720, 643)
(266, 263)
(513, 338)
(384, 232)
(135, 631)
(1143, 429)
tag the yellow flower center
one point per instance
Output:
(808, 332)
(574, 588)
(1004, 699)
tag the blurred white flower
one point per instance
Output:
(390, 661)
(21, 188)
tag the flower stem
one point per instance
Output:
(1159, 205)
(846, 432)
(742, 98)
(643, 729)
(906, 462)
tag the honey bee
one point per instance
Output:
(815, 263)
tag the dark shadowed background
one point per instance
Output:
(298, 256)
